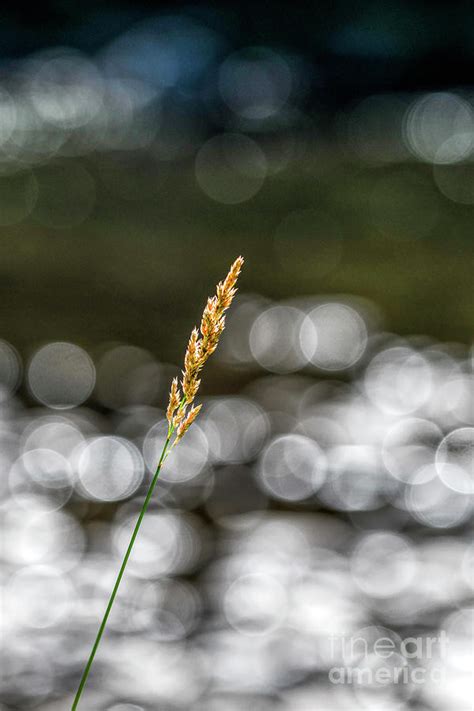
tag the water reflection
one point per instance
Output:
(228, 596)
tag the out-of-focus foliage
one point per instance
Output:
(117, 166)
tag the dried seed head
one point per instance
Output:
(201, 345)
(173, 402)
(213, 319)
(191, 359)
(192, 387)
(192, 365)
(211, 339)
(178, 418)
(233, 275)
(187, 422)
(209, 316)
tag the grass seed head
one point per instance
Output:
(173, 402)
(192, 366)
(201, 345)
(187, 422)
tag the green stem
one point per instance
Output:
(113, 594)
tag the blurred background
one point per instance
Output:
(313, 531)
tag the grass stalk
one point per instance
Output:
(180, 414)
(118, 580)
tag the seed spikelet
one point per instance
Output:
(173, 402)
(187, 422)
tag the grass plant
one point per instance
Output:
(180, 414)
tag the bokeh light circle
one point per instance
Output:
(169, 543)
(255, 82)
(255, 604)
(10, 370)
(127, 375)
(383, 564)
(455, 460)
(109, 468)
(333, 336)
(398, 380)
(434, 503)
(66, 90)
(292, 467)
(230, 168)
(439, 128)
(409, 444)
(188, 460)
(39, 596)
(43, 474)
(61, 375)
(274, 339)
